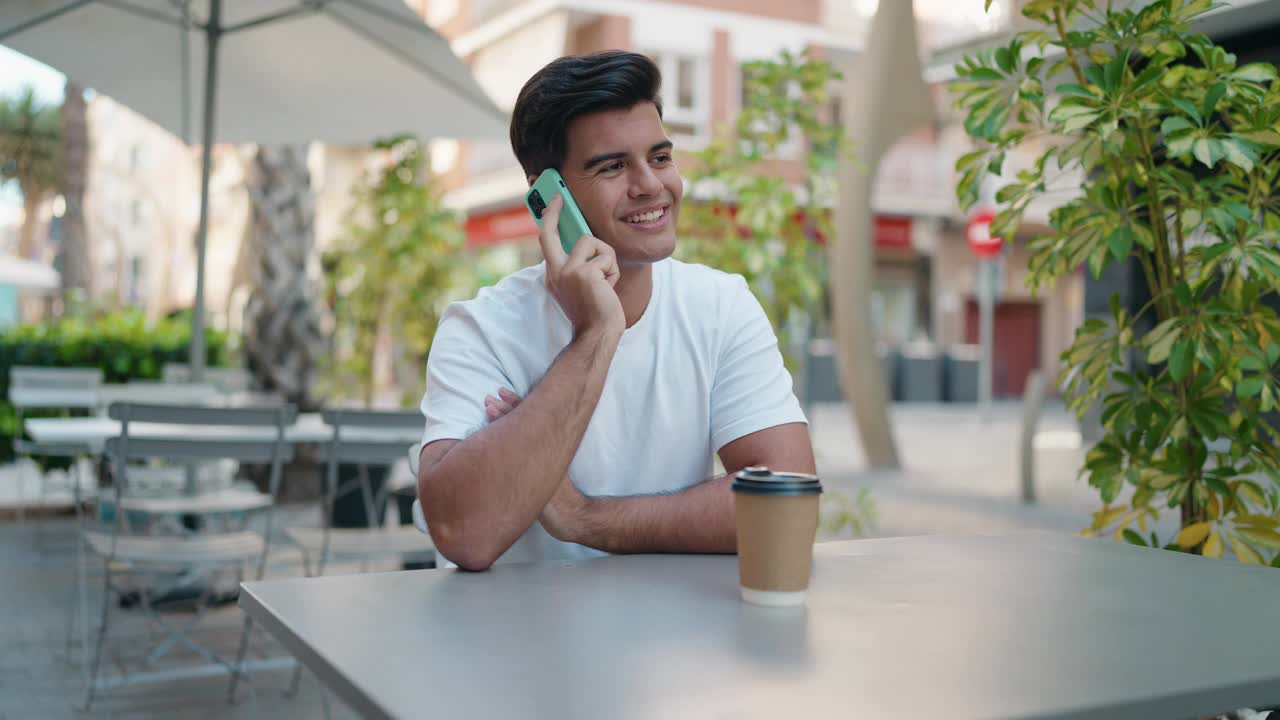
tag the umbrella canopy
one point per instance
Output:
(342, 71)
(265, 71)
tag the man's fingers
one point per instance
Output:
(607, 265)
(495, 408)
(549, 235)
(511, 398)
(586, 247)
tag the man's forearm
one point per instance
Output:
(488, 489)
(699, 519)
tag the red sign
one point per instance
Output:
(978, 233)
(500, 226)
(891, 232)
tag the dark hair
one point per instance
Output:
(572, 86)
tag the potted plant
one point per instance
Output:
(1170, 149)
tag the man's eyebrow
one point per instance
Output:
(606, 157)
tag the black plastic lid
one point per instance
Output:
(762, 481)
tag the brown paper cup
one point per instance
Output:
(775, 545)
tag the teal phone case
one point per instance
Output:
(572, 225)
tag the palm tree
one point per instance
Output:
(76, 263)
(282, 338)
(31, 155)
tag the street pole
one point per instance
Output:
(986, 308)
(213, 34)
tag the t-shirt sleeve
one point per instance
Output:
(461, 369)
(752, 389)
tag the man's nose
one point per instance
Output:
(645, 182)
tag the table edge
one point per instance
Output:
(258, 610)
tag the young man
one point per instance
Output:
(572, 409)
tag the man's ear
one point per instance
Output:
(532, 179)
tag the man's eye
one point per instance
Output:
(663, 158)
(612, 167)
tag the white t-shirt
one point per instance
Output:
(700, 369)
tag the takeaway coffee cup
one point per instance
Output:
(777, 516)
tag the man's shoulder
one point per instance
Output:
(693, 281)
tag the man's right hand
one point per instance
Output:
(583, 280)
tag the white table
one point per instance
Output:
(104, 395)
(93, 432)
(1021, 626)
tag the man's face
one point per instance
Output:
(619, 168)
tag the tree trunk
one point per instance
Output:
(77, 263)
(886, 98)
(282, 337)
(27, 232)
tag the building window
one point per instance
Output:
(686, 85)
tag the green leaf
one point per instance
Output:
(1244, 553)
(1252, 493)
(1180, 358)
(1237, 153)
(1212, 97)
(1181, 144)
(986, 75)
(1172, 48)
(1121, 241)
(1174, 123)
(1162, 344)
(1250, 386)
(1213, 546)
(1074, 90)
(1191, 110)
(1258, 536)
(1254, 72)
(1004, 59)
(1194, 534)
(1112, 72)
(1204, 149)
(1132, 537)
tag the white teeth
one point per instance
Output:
(646, 217)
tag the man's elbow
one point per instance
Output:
(468, 553)
(454, 537)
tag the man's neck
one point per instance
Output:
(635, 288)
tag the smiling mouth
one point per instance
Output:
(646, 217)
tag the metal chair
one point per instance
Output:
(225, 379)
(159, 393)
(360, 438)
(255, 435)
(44, 388)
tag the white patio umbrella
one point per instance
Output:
(263, 71)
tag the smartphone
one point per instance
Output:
(572, 225)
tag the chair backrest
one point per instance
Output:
(152, 392)
(55, 378)
(355, 434)
(54, 387)
(225, 379)
(243, 433)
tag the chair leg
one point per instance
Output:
(102, 636)
(244, 646)
(80, 610)
(294, 681)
